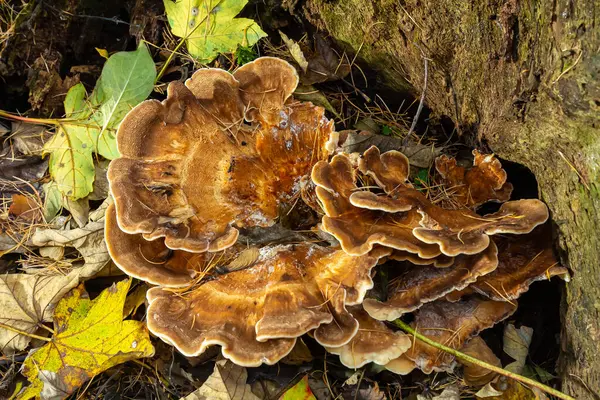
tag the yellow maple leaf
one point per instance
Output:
(90, 337)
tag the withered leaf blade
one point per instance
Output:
(227, 382)
(473, 374)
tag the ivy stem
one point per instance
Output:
(39, 121)
(406, 328)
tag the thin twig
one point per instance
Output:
(406, 328)
(421, 101)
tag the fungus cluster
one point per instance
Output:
(226, 153)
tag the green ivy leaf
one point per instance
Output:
(210, 26)
(127, 79)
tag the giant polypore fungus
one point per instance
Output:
(150, 260)
(521, 261)
(226, 152)
(222, 152)
(389, 219)
(453, 324)
(485, 181)
(416, 286)
(255, 314)
(374, 342)
(359, 229)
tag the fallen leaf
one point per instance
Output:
(509, 389)
(210, 27)
(516, 344)
(100, 191)
(90, 337)
(227, 382)
(134, 300)
(300, 391)
(89, 242)
(310, 93)
(25, 207)
(52, 201)
(28, 139)
(103, 53)
(324, 64)
(450, 392)
(127, 79)
(488, 391)
(295, 51)
(419, 155)
(299, 355)
(28, 301)
(79, 209)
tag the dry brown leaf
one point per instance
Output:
(227, 382)
(516, 344)
(28, 301)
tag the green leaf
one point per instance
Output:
(52, 201)
(245, 54)
(386, 130)
(127, 79)
(90, 337)
(71, 164)
(210, 26)
(75, 101)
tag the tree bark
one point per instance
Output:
(525, 76)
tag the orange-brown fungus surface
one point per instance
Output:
(359, 229)
(255, 314)
(485, 181)
(150, 261)
(374, 342)
(222, 152)
(417, 285)
(402, 217)
(521, 261)
(453, 324)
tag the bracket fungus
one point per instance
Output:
(374, 342)
(226, 152)
(521, 261)
(416, 286)
(402, 217)
(485, 181)
(453, 324)
(220, 153)
(288, 292)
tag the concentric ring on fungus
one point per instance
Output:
(222, 152)
(255, 314)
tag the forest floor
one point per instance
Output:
(47, 47)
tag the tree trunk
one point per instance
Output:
(524, 75)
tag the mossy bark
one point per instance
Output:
(524, 76)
